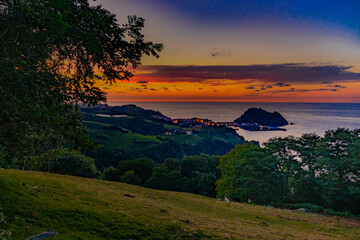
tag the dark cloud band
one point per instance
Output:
(282, 74)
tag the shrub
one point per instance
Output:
(109, 174)
(310, 207)
(131, 178)
(135, 171)
(66, 161)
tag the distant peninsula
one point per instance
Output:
(261, 117)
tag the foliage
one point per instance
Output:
(320, 171)
(195, 174)
(5, 162)
(340, 169)
(249, 174)
(130, 177)
(52, 53)
(310, 207)
(133, 171)
(65, 161)
(165, 178)
(288, 167)
(109, 174)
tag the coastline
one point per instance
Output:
(308, 117)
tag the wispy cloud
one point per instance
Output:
(250, 87)
(337, 86)
(304, 90)
(280, 84)
(219, 52)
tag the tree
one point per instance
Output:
(52, 52)
(65, 161)
(340, 169)
(165, 178)
(283, 149)
(141, 167)
(195, 174)
(249, 174)
(200, 174)
(109, 174)
(309, 188)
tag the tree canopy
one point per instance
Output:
(319, 172)
(52, 53)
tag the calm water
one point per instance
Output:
(308, 117)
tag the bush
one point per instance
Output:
(109, 174)
(66, 161)
(131, 178)
(135, 171)
(310, 207)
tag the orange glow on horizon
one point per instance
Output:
(147, 87)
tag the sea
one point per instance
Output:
(307, 117)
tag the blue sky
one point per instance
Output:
(344, 12)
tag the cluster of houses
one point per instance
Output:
(199, 122)
(195, 123)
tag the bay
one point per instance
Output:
(307, 117)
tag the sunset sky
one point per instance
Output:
(245, 50)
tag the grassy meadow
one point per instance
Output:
(80, 208)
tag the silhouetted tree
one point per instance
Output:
(51, 54)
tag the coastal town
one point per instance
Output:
(201, 123)
(253, 119)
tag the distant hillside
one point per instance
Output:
(260, 116)
(130, 109)
(79, 208)
(134, 132)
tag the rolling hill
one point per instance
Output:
(128, 132)
(80, 208)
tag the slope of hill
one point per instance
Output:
(134, 134)
(80, 208)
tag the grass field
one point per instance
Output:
(134, 141)
(117, 139)
(80, 208)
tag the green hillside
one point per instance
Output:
(80, 208)
(140, 135)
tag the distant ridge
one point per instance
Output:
(130, 109)
(260, 116)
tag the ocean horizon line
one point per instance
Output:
(150, 101)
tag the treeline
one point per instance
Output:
(318, 172)
(194, 174)
(106, 157)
